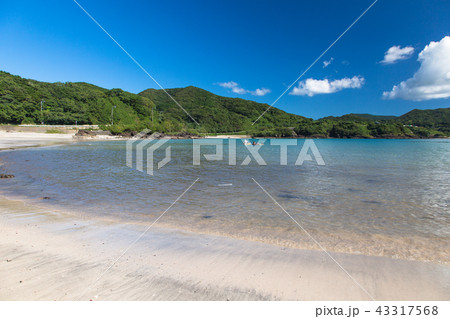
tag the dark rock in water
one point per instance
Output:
(207, 216)
(6, 176)
(288, 196)
(45, 197)
(371, 202)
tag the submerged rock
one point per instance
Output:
(288, 196)
(6, 176)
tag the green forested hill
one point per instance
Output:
(417, 123)
(67, 103)
(371, 117)
(216, 113)
(435, 119)
(83, 103)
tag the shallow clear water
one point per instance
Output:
(376, 197)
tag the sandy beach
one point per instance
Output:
(14, 139)
(50, 254)
(22, 137)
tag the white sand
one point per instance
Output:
(48, 255)
(11, 140)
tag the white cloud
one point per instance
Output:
(261, 92)
(229, 85)
(235, 88)
(397, 53)
(432, 80)
(312, 87)
(239, 90)
(327, 63)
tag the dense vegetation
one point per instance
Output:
(67, 103)
(83, 103)
(218, 114)
(417, 123)
(438, 119)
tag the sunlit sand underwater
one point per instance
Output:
(373, 197)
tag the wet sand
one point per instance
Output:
(52, 255)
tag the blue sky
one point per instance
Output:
(255, 44)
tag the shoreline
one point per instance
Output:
(53, 256)
(16, 140)
(375, 245)
(50, 254)
(348, 243)
(13, 139)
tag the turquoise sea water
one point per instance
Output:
(375, 197)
